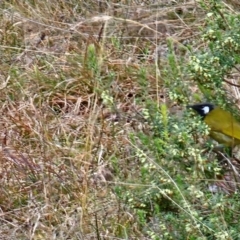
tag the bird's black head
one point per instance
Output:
(202, 108)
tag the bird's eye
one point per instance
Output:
(206, 110)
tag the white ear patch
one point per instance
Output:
(206, 110)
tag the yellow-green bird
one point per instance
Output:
(224, 128)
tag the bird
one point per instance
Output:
(224, 128)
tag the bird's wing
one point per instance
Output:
(224, 123)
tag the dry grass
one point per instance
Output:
(66, 115)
